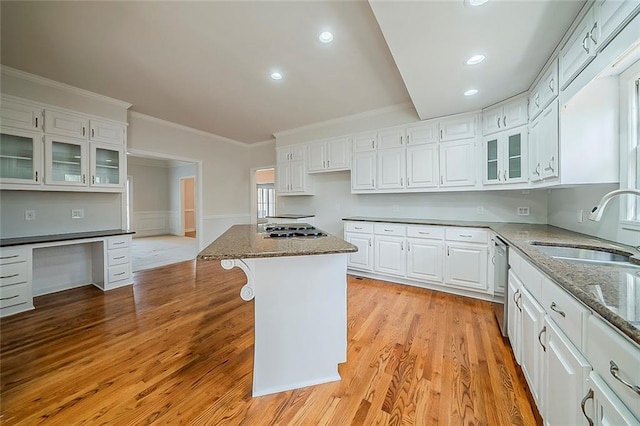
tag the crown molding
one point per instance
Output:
(182, 127)
(262, 143)
(347, 118)
(62, 86)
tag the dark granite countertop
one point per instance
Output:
(248, 241)
(291, 216)
(605, 290)
(37, 239)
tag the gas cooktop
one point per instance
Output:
(291, 231)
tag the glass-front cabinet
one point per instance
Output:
(504, 156)
(65, 161)
(107, 165)
(20, 157)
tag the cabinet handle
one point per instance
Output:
(36, 175)
(551, 163)
(499, 179)
(36, 122)
(538, 169)
(400, 140)
(448, 252)
(441, 180)
(373, 144)
(372, 183)
(93, 179)
(537, 100)
(388, 230)
(587, 397)
(327, 163)
(441, 134)
(119, 257)
(83, 179)
(9, 257)
(118, 243)
(84, 131)
(118, 274)
(615, 372)
(324, 164)
(401, 182)
(595, 26)
(402, 246)
(551, 85)
(423, 233)
(515, 294)
(498, 120)
(407, 139)
(493, 260)
(544, 329)
(465, 235)
(504, 121)
(10, 276)
(517, 304)
(554, 308)
(357, 227)
(9, 298)
(505, 176)
(584, 43)
(92, 133)
(369, 242)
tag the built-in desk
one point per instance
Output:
(37, 265)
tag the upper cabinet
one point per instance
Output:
(291, 171)
(458, 127)
(364, 142)
(457, 163)
(63, 124)
(505, 116)
(329, 156)
(103, 131)
(391, 138)
(423, 133)
(578, 51)
(20, 157)
(20, 115)
(609, 17)
(505, 156)
(545, 91)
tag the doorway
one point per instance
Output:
(188, 203)
(263, 194)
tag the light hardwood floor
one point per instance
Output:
(177, 348)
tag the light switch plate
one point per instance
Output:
(77, 214)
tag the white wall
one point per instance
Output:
(151, 207)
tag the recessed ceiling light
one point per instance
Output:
(325, 37)
(276, 76)
(470, 92)
(477, 2)
(475, 59)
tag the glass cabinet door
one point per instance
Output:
(107, 165)
(65, 161)
(20, 154)
(515, 156)
(492, 169)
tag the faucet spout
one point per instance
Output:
(597, 211)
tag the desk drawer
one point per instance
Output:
(119, 273)
(13, 273)
(468, 235)
(118, 242)
(12, 255)
(430, 232)
(359, 227)
(118, 256)
(14, 295)
(389, 229)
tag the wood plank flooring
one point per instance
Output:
(177, 348)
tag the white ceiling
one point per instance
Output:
(206, 65)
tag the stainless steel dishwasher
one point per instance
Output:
(501, 276)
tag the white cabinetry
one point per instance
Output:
(545, 91)
(20, 115)
(425, 249)
(458, 163)
(607, 409)
(364, 142)
(422, 166)
(363, 172)
(466, 259)
(117, 271)
(459, 127)
(291, 171)
(331, 155)
(20, 157)
(505, 116)
(15, 280)
(424, 133)
(610, 15)
(514, 315)
(544, 144)
(391, 168)
(532, 346)
(389, 255)
(107, 165)
(391, 138)
(578, 51)
(65, 161)
(505, 156)
(63, 124)
(103, 131)
(360, 234)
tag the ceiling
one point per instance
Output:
(206, 65)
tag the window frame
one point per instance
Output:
(629, 86)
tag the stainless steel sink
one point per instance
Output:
(589, 256)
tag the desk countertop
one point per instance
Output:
(38, 239)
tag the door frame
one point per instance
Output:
(253, 193)
(182, 219)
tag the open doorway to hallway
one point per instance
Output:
(263, 194)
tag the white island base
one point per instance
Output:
(300, 319)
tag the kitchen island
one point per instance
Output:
(300, 291)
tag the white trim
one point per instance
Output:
(253, 193)
(263, 143)
(177, 126)
(62, 86)
(347, 118)
(224, 216)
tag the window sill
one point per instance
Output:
(630, 225)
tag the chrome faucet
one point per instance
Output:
(597, 211)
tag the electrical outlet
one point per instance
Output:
(29, 215)
(77, 214)
(580, 215)
(480, 209)
(523, 211)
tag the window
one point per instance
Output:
(630, 141)
(266, 201)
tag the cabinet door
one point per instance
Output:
(608, 410)
(391, 168)
(363, 171)
(392, 138)
(515, 113)
(515, 155)
(492, 120)
(457, 163)
(532, 347)
(65, 161)
(297, 152)
(107, 165)
(58, 123)
(422, 166)
(426, 132)
(548, 141)
(535, 168)
(20, 116)
(363, 258)
(298, 176)
(458, 128)
(283, 177)
(548, 86)
(466, 266)
(103, 131)
(339, 154)
(364, 142)
(577, 52)
(610, 16)
(390, 255)
(283, 155)
(514, 312)
(317, 158)
(425, 259)
(20, 157)
(565, 375)
(493, 167)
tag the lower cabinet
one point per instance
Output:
(390, 255)
(424, 259)
(532, 346)
(466, 265)
(514, 315)
(606, 409)
(363, 258)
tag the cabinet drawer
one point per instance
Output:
(13, 273)
(467, 235)
(565, 311)
(119, 273)
(118, 242)
(359, 227)
(430, 232)
(118, 256)
(12, 255)
(607, 349)
(14, 295)
(389, 229)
